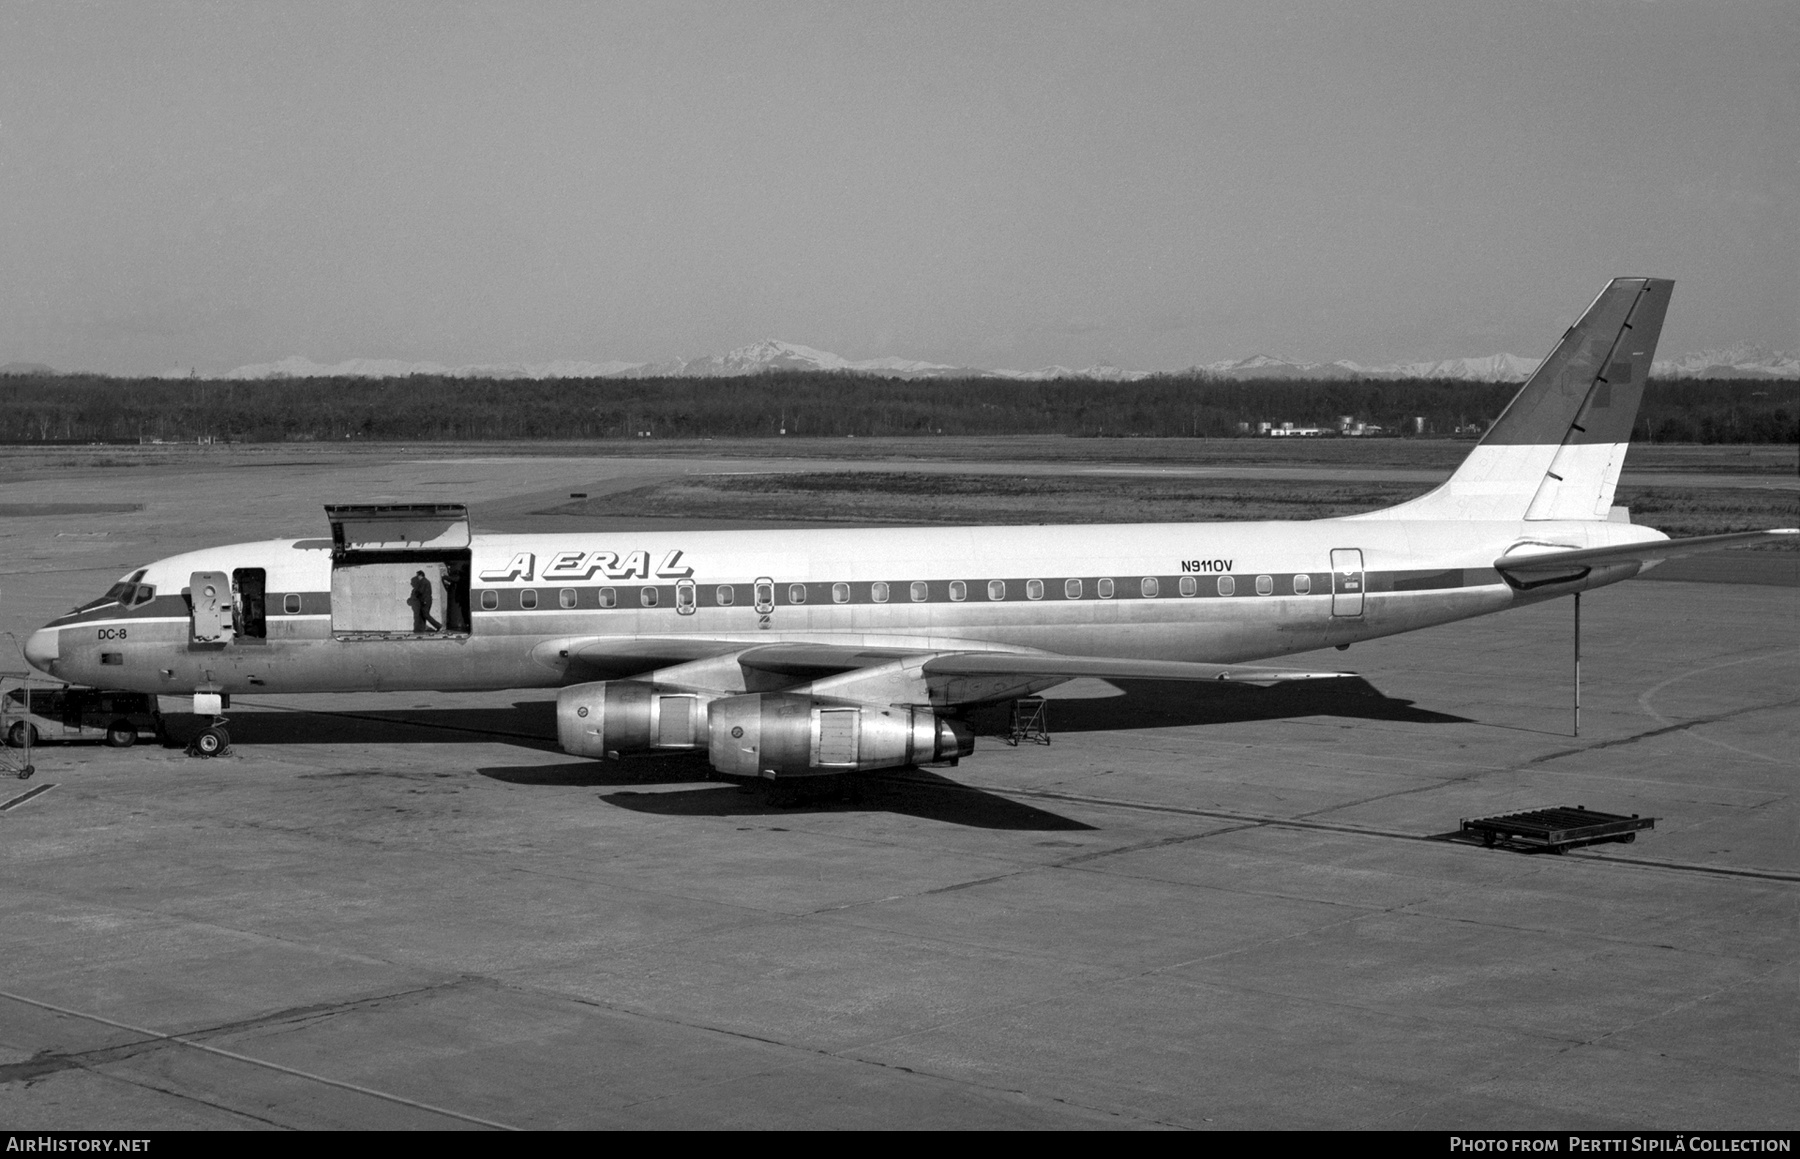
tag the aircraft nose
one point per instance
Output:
(42, 650)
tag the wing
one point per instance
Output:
(1549, 566)
(958, 674)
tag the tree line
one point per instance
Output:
(93, 408)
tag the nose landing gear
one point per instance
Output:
(212, 741)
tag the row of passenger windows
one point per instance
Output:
(726, 595)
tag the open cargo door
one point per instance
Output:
(405, 527)
(381, 552)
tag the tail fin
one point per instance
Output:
(1556, 451)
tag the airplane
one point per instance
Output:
(788, 655)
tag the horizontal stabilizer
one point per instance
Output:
(1540, 566)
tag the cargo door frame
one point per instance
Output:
(373, 548)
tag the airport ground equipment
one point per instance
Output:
(1030, 722)
(1557, 829)
(20, 736)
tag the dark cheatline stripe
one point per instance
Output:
(628, 597)
(1424, 581)
(176, 607)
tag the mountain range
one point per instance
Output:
(772, 354)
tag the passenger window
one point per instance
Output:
(921, 591)
(290, 603)
(1150, 587)
(1034, 589)
(528, 599)
(608, 598)
(996, 589)
(1302, 584)
(878, 592)
(1071, 589)
(1265, 585)
(725, 595)
(565, 598)
(796, 593)
(490, 599)
(649, 597)
(1189, 585)
(959, 590)
(840, 593)
(1227, 585)
(1105, 588)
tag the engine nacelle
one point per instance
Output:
(784, 735)
(613, 717)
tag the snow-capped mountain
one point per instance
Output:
(1736, 362)
(1045, 374)
(295, 366)
(772, 354)
(1493, 368)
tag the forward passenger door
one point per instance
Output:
(1347, 581)
(209, 597)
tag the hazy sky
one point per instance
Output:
(1151, 185)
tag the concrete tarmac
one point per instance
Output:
(1196, 908)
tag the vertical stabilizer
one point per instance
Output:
(1556, 451)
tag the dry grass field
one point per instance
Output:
(1773, 459)
(922, 498)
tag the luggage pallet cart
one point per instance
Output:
(1557, 830)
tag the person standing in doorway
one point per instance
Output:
(456, 598)
(420, 600)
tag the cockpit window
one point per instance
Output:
(127, 591)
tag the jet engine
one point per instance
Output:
(613, 717)
(787, 735)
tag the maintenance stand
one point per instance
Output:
(1029, 722)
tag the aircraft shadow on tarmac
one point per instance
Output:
(1171, 704)
(917, 794)
(530, 723)
(1145, 704)
(914, 793)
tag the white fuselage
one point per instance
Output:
(1148, 591)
